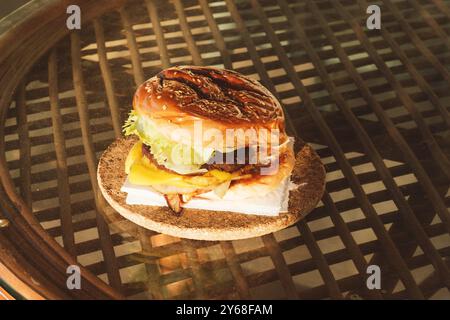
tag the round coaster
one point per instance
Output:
(308, 174)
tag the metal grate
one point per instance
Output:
(374, 105)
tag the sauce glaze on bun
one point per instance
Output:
(222, 99)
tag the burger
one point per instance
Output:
(204, 132)
(206, 156)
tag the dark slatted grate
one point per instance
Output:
(374, 105)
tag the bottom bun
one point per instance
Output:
(308, 174)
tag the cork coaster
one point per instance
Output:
(308, 174)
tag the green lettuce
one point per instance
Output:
(181, 158)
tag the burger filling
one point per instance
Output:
(149, 163)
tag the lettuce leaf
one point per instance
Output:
(181, 158)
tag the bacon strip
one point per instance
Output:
(174, 202)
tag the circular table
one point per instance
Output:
(372, 103)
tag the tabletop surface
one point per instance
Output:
(374, 104)
(7, 7)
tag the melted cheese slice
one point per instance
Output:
(141, 171)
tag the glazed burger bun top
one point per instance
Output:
(222, 99)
